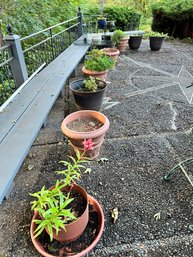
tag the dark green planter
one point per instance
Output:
(87, 100)
(135, 42)
(156, 43)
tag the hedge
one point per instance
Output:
(125, 18)
(174, 17)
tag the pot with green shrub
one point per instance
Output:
(88, 93)
(120, 39)
(135, 41)
(97, 64)
(62, 211)
(156, 40)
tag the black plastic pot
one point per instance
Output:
(156, 43)
(135, 42)
(88, 100)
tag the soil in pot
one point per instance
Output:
(84, 125)
(78, 205)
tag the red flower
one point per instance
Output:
(88, 144)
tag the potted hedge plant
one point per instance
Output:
(135, 41)
(156, 40)
(88, 93)
(63, 210)
(97, 64)
(86, 124)
(120, 39)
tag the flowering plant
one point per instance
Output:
(52, 205)
(72, 172)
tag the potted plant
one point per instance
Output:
(97, 64)
(112, 52)
(135, 41)
(62, 211)
(156, 40)
(101, 22)
(88, 93)
(120, 39)
(86, 124)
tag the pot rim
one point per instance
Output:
(90, 72)
(85, 135)
(111, 51)
(99, 210)
(87, 92)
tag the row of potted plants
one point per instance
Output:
(121, 40)
(65, 213)
(156, 40)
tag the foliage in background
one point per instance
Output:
(174, 17)
(125, 18)
(29, 16)
(6, 90)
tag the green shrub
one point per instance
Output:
(174, 17)
(6, 90)
(98, 61)
(117, 36)
(125, 18)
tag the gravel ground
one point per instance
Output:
(150, 112)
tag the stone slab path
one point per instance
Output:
(149, 103)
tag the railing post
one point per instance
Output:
(18, 65)
(80, 20)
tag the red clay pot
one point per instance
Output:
(77, 227)
(96, 74)
(112, 52)
(97, 136)
(39, 247)
(123, 44)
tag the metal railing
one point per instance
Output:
(47, 44)
(20, 58)
(7, 83)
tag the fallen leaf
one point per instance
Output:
(142, 245)
(103, 160)
(88, 171)
(114, 214)
(30, 166)
(157, 216)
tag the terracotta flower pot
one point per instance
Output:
(123, 44)
(112, 52)
(97, 136)
(96, 74)
(97, 208)
(77, 227)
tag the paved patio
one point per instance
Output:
(150, 110)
